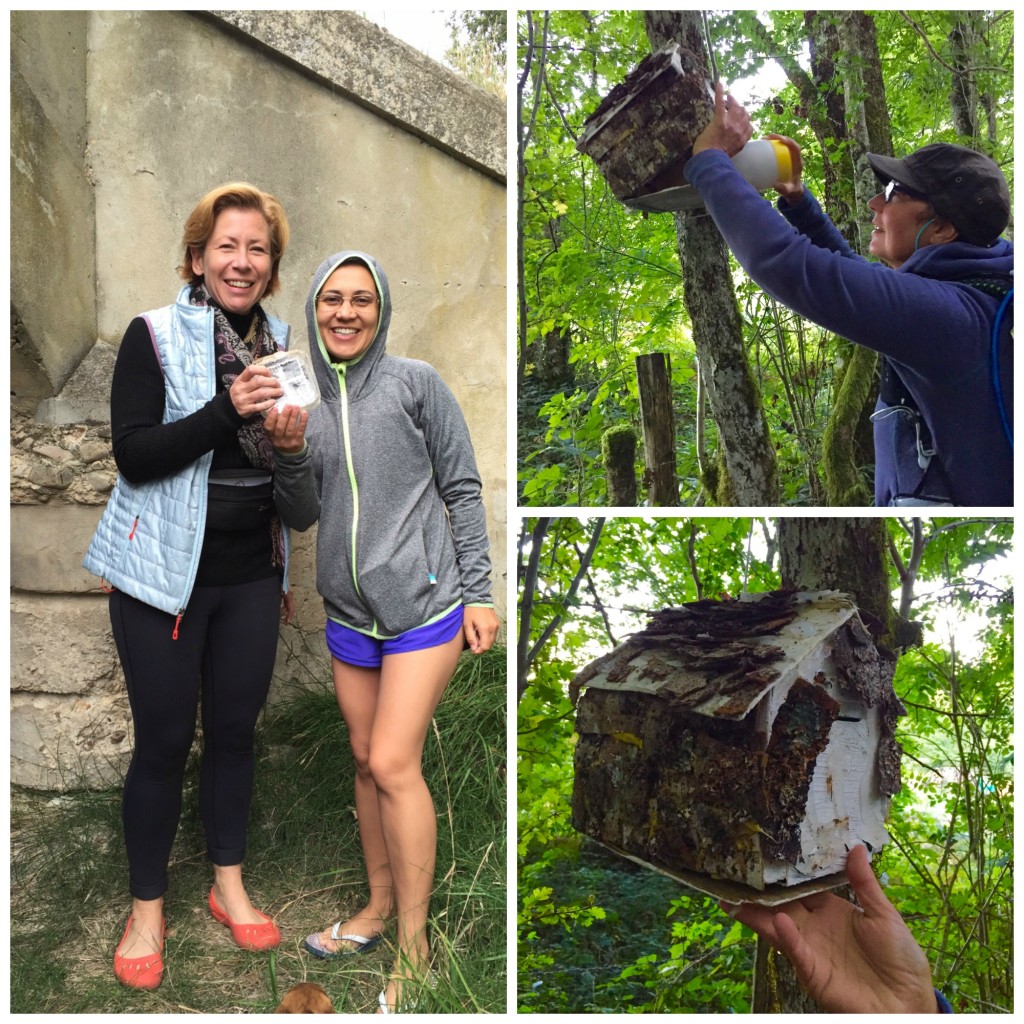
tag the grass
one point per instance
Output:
(69, 896)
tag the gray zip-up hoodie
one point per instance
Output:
(389, 472)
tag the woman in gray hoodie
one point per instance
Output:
(403, 568)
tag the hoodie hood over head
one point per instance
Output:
(358, 370)
(402, 535)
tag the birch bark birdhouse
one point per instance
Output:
(742, 747)
(642, 132)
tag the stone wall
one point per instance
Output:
(120, 121)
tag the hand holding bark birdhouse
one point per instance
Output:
(743, 747)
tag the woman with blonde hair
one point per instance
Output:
(194, 552)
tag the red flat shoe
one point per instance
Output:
(140, 971)
(256, 937)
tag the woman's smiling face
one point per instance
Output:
(347, 311)
(896, 230)
(236, 261)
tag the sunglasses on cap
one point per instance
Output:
(895, 186)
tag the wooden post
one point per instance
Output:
(654, 377)
(618, 449)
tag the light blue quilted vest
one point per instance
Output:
(149, 538)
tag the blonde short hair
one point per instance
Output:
(234, 195)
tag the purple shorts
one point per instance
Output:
(355, 648)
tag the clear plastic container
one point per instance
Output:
(294, 372)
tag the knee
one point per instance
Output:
(231, 739)
(393, 771)
(361, 757)
(163, 754)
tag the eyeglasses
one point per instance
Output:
(334, 301)
(895, 186)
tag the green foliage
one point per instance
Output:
(478, 49)
(948, 869)
(609, 277)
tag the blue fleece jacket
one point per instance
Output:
(936, 331)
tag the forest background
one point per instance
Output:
(598, 934)
(600, 284)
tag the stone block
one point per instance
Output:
(62, 645)
(389, 76)
(59, 743)
(48, 544)
(52, 250)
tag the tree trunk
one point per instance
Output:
(654, 380)
(847, 440)
(847, 554)
(843, 554)
(549, 354)
(535, 53)
(733, 398)
(866, 109)
(963, 97)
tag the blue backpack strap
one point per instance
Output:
(1004, 401)
(1001, 354)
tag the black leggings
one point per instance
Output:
(226, 642)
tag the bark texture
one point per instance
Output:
(847, 439)
(964, 42)
(746, 449)
(642, 132)
(654, 382)
(846, 554)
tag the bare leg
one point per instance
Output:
(411, 686)
(357, 690)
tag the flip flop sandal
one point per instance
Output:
(314, 944)
(413, 1005)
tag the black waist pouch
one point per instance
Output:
(240, 501)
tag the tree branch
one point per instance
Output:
(556, 620)
(529, 589)
(931, 49)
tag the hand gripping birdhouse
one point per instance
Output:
(740, 746)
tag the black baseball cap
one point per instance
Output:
(965, 186)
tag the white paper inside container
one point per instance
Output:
(292, 369)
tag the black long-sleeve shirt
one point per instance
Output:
(146, 448)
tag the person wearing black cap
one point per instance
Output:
(942, 422)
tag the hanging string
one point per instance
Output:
(711, 50)
(746, 564)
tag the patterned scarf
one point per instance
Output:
(233, 356)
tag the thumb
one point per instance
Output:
(719, 99)
(865, 884)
